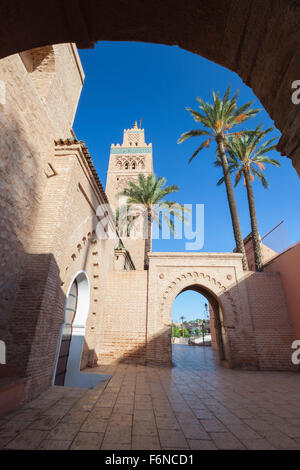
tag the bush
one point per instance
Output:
(186, 333)
(176, 332)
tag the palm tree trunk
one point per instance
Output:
(148, 240)
(254, 226)
(232, 205)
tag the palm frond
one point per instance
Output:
(192, 133)
(272, 161)
(261, 177)
(201, 147)
(143, 196)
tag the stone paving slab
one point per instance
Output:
(195, 405)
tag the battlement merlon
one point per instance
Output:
(133, 138)
(130, 146)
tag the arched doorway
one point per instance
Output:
(73, 330)
(210, 313)
(190, 318)
(71, 341)
(64, 351)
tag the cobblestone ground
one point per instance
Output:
(195, 405)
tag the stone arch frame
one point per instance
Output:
(74, 376)
(87, 241)
(79, 321)
(233, 37)
(141, 163)
(119, 164)
(221, 301)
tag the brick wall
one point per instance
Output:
(287, 264)
(122, 331)
(63, 243)
(272, 327)
(29, 123)
(266, 252)
(212, 328)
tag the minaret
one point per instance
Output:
(126, 162)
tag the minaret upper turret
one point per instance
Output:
(126, 161)
(134, 137)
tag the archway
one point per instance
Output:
(214, 312)
(241, 39)
(72, 337)
(214, 275)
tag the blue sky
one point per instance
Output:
(129, 81)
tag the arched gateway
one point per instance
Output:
(236, 298)
(212, 289)
(218, 316)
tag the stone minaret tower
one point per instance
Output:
(126, 162)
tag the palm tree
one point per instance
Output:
(145, 200)
(247, 157)
(219, 118)
(182, 318)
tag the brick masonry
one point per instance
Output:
(272, 326)
(122, 332)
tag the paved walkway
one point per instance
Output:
(195, 405)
